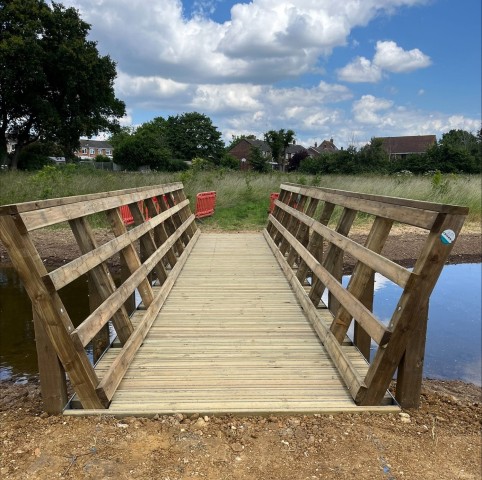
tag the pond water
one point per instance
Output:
(453, 349)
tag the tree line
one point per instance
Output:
(458, 151)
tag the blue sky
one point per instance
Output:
(324, 68)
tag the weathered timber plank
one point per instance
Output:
(87, 329)
(56, 202)
(376, 203)
(50, 216)
(346, 369)
(370, 323)
(69, 272)
(113, 376)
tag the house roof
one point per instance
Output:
(261, 144)
(293, 148)
(94, 144)
(325, 146)
(408, 144)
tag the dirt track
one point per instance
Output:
(439, 441)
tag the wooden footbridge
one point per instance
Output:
(231, 322)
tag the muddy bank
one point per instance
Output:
(439, 441)
(57, 247)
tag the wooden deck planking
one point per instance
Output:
(232, 338)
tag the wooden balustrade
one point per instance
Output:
(166, 239)
(298, 228)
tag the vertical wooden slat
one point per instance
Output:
(417, 291)
(180, 196)
(101, 341)
(125, 273)
(277, 213)
(410, 369)
(148, 245)
(160, 233)
(130, 255)
(315, 245)
(53, 385)
(283, 217)
(293, 224)
(176, 218)
(362, 274)
(170, 226)
(101, 276)
(302, 231)
(333, 254)
(361, 339)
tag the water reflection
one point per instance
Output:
(453, 349)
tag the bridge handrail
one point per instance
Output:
(165, 230)
(303, 219)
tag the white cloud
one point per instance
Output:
(360, 70)
(170, 62)
(389, 56)
(367, 110)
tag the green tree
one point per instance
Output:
(147, 145)
(278, 141)
(258, 162)
(192, 135)
(54, 85)
(372, 158)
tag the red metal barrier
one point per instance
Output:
(272, 198)
(205, 204)
(126, 214)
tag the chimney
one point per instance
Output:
(331, 140)
(294, 142)
(316, 144)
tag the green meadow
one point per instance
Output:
(242, 198)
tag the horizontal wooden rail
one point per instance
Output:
(383, 265)
(101, 315)
(397, 201)
(33, 220)
(160, 237)
(364, 317)
(301, 234)
(399, 213)
(76, 268)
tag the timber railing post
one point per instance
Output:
(410, 368)
(53, 385)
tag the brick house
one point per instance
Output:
(91, 148)
(243, 148)
(400, 147)
(326, 146)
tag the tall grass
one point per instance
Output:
(242, 198)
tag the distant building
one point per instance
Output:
(91, 148)
(242, 151)
(400, 147)
(243, 148)
(326, 146)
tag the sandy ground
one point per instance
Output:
(441, 440)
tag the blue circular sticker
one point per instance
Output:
(447, 237)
